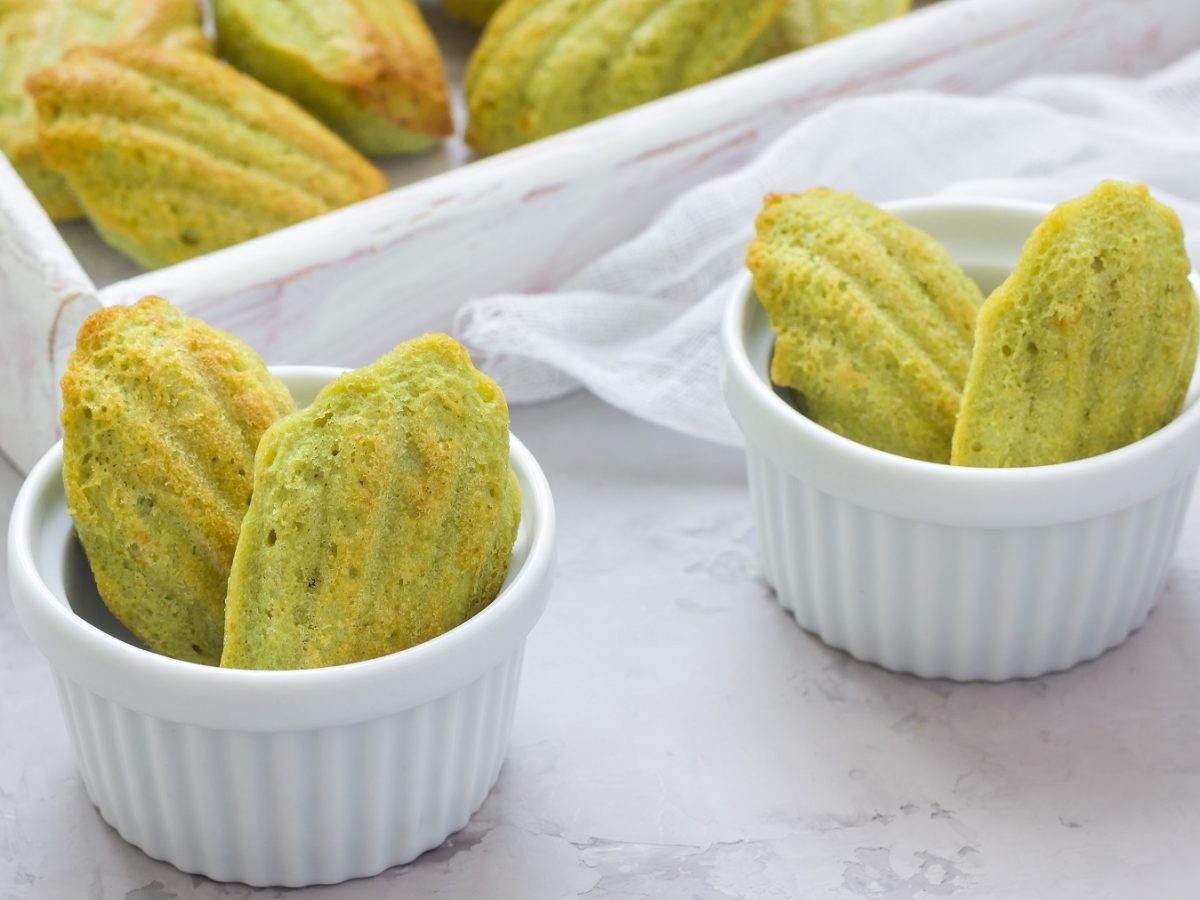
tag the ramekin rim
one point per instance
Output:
(521, 591)
(739, 365)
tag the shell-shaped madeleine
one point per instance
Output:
(873, 320)
(543, 66)
(369, 69)
(161, 418)
(473, 12)
(173, 154)
(35, 34)
(383, 514)
(1090, 343)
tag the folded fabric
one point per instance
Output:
(639, 326)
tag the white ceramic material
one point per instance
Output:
(278, 778)
(955, 572)
(343, 287)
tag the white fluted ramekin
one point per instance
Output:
(952, 572)
(278, 778)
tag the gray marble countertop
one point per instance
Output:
(678, 736)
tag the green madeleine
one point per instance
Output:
(873, 320)
(173, 154)
(161, 417)
(383, 515)
(369, 69)
(543, 66)
(36, 33)
(1090, 343)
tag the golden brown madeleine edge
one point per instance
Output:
(415, 63)
(389, 54)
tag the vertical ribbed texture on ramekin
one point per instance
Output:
(299, 807)
(957, 602)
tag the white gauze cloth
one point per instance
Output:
(639, 327)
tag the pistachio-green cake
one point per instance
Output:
(543, 66)
(161, 417)
(173, 154)
(473, 12)
(35, 34)
(369, 69)
(383, 515)
(873, 320)
(1090, 343)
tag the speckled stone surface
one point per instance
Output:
(678, 736)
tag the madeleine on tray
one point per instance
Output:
(36, 33)
(173, 154)
(370, 70)
(544, 66)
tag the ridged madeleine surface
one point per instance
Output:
(173, 154)
(543, 66)
(370, 69)
(35, 34)
(161, 417)
(873, 320)
(1090, 343)
(473, 12)
(383, 515)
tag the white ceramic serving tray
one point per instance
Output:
(342, 289)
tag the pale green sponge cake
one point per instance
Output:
(873, 320)
(369, 69)
(1090, 343)
(474, 12)
(36, 33)
(543, 66)
(161, 419)
(173, 154)
(383, 515)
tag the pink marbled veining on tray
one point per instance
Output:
(43, 293)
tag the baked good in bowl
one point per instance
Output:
(874, 320)
(383, 515)
(371, 70)
(954, 571)
(430, 725)
(173, 154)
(161, 417)
(36, 33)
(1090, 343)
(543, 66)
